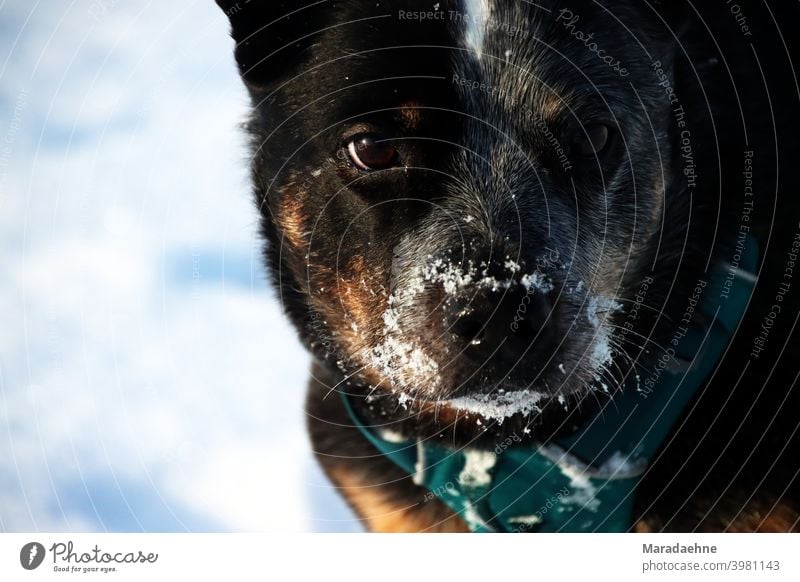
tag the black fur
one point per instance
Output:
(492, 174)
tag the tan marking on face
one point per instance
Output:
(352, 302)
(292, 219)
(383, 512)
(551, 106)
(410, 114)
(359, 310)
(363, 293)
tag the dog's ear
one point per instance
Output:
(272, 36)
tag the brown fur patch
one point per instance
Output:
(761, 517)
(383, 512)
(410, 114)
(553, 105)
(757, 516)
(292, 219)
(361, 303)
(360, 293)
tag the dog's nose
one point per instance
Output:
(502, 326)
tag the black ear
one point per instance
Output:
(272, 35)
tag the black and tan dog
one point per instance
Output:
(488, 219)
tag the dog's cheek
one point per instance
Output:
(363, 295)
(361, 301)
(626, 260)
(620, 239)
(351, 300)
(292, 220)
(351, 296)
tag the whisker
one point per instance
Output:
(339, 383)
(633, 362)
(658, 311)
(630, 331)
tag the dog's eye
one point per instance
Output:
(592, 139)
(370, 153)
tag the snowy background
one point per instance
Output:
(148, 381)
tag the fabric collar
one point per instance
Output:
(585, 482)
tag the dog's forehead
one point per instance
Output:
(512, 58)
(475, 21)
(540, 54)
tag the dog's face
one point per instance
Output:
(460, 198)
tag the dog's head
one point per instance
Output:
(461, 198)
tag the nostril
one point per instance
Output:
(470, 328)
(524, 329)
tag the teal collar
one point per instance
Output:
(585, 482)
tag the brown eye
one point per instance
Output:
(371, 153)
(592, 140)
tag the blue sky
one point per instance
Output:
(148, 380)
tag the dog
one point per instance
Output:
(494, 223)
